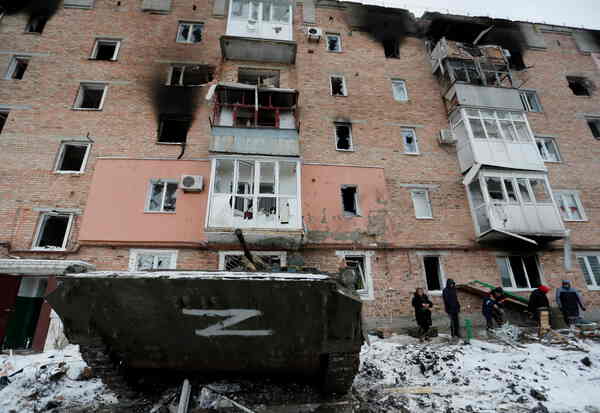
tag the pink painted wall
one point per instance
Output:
(322, 204)
(119, 190)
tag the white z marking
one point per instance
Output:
(234, 316)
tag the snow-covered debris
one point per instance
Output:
(57, 379)
(481, 377)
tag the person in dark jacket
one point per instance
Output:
(492, 308)
(452, 307)
(538, 300)
(422, 306)
(569, 301)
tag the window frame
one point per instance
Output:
(466, 115)
(192, 24)
(12, 66)
(92, 86)
(596, 122)
(558, 194)
(61, 154)
(134, 253)
(339, 37)
(151, 184)
(403, 132)
(38, 232)
(366, 294)
(344, 86)
(39, 19)
(98, 40)
(414, 191)
(513, 287)
(441, 272)
(544, 140)
(4, 114)
(349, 214)
(527, 96)
(595, 286)
(223, 254)
(335, 136)
(404, 86)
(584, 82)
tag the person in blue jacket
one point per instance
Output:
(492, 308)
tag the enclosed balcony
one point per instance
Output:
(495, 138)
(514, 206)
(260, 31)
(250, 119)
(260, 196)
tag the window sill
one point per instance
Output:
(339, 96)
(575, 220)
(40, 249)
(347, 215)
(170, 143)
(334, 51)
(344, 150)
(412, 153)
(402, 101)
(518, 290)
(88, 109)
(177, 41)
(552, 161)
(160, 212)
(102, 60)
(425, 218)
(592, 288)
(71, 173)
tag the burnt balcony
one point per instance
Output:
(249, 119)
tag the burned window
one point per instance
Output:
(36, 24)
(17, 68)
(464, 71)
(433, 273)
(234, 260)
(580, 86)
(594, 125)
(162, 196)
(343, 136)
(190, 75)
(173, 129)
(333, 42)
(106, 49)
(515, 59)
(338, 86)
(90, 96)
(53, 230)
(258, 77)
(3, 119)
(391, 48)
(189, 32)
(72, 157)
(350, 200)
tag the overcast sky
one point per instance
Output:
(575, 13)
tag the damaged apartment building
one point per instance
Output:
(139, 134)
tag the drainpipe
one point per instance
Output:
(568, 251)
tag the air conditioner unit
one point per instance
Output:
(314, 33)
(447, 137)
(192, 183)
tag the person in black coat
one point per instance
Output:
(452, 307)
(538, 300)
(422, 306)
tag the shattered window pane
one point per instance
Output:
(508, 130)
(343, 136)
(540, 192)
(170, 197)
(477, 129)
(90, 96)
(183, 32)
(338, 87)
(145, 262)
(267, 178)
(522, 184)
(358, 264)
(516, 265)
(492, 128)
(53, 231)
(334, 43)
(504, 273)
(281, 13)
(410, 141)
(399, 90)
(510, 190)
(494, 187)
(156, 197)
(349, 200)
(287, 178)
(163, 197)
(224, 176)
(189, 32)
(432, 273)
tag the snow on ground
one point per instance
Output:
(399, 373)
(55, 379)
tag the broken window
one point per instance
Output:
(338, 86)
(548, 149)
(90, 96)
(590, 266)
(464, 71)
(519, 272)
(399, 90)
(409, 139)
(36, 24)
(433, 273)
(594, 125)
(233, 260)
(105, 49)
(494, 187)
(391, 48)
(530, 100)
(72, 157)
(17, 68)
(259, 77)
(569, 205)
(580, 86)
(421, 203)
(53, 230)
(343, 136)
(360, 262)
(333, 42)
(515, 59)
(350, 200)
(148, 260)
(258, 194)
(189, 32)
(540, 191)
(190, 75)
(3, 119)
(173, 129)
(162, 196)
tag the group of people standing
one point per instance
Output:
(568, 299)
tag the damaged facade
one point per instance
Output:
(332, 133)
